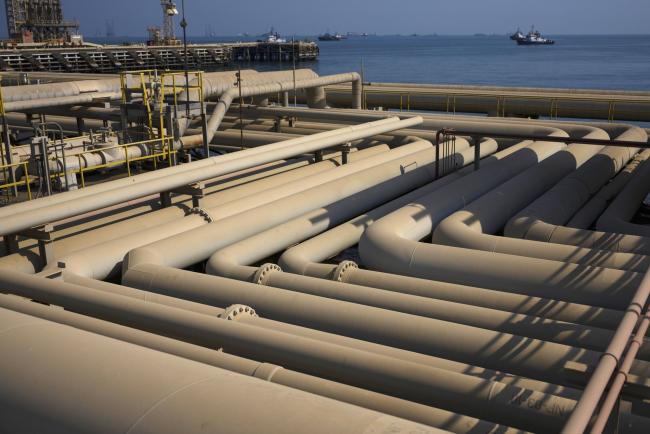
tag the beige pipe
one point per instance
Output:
(536, 359)
(172, 177)
(267, 243)
(385, 375)
(607, 241)
(617, 218)
(588, 214)
(227, 97)
(264, 371)
(154, 390)
(396, 353)
(103, 260)
(473, 226)
(208, 238)
(109, 224)
(94, 190)
(569, 195)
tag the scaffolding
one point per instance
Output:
(38, 21)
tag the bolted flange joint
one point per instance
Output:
(344, 267)
(201, 212)
(236, 311)
(262, 273)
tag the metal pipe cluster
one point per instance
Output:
(330, 279)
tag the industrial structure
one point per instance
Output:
(210, 256)
(38, 21)
(115, 58)
(164, 35)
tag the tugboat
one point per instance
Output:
(517, 35)
(331, 37)
(273, 37)
(532, 38)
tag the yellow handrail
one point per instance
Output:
(26, 182)
(166, 153)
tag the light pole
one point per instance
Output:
(185, 66)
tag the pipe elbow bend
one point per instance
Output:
(294, 261)
(220, 264)
(140, 256)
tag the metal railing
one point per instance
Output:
(157, 89)
(8, 169)
(164, 154)
(477, 135)
(502, 101)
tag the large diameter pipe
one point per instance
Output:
(430, 336)
(106, 227)
(474, 226)
(617, 218)
(412, 411)
(495, 401)
(214, 167)
(396, 353)
(59, 90)
(84, 98)
(510, 302)
(153, 390)
(110, 224)
(305, 258)
(96, 189)
(204, 240)
(565, 333)
(589, 213)
(230, 95)
(102, 260)
(276, 239)
(568, 196)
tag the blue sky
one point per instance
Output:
(131, 17)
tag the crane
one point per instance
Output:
(169, 12)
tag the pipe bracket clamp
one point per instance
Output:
(343, 268)
(263, 273)
(236, 311)
(201, 212)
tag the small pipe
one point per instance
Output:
(608, 363)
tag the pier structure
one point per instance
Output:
(115, 58)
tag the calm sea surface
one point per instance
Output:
(597, 62)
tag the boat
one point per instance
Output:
(533, 37)
(517, 35)
(273, 37)
(331, 37)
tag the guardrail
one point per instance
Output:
(166, 154)
(163, 153)
(502, 101)
(446, 134)
(7, 170)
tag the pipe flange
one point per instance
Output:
(262, 273)
(343, 267)
(203, 213)
(236, 311)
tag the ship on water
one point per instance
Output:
(331, 37)
(534, 37)
(517, 35)
(273, 37)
